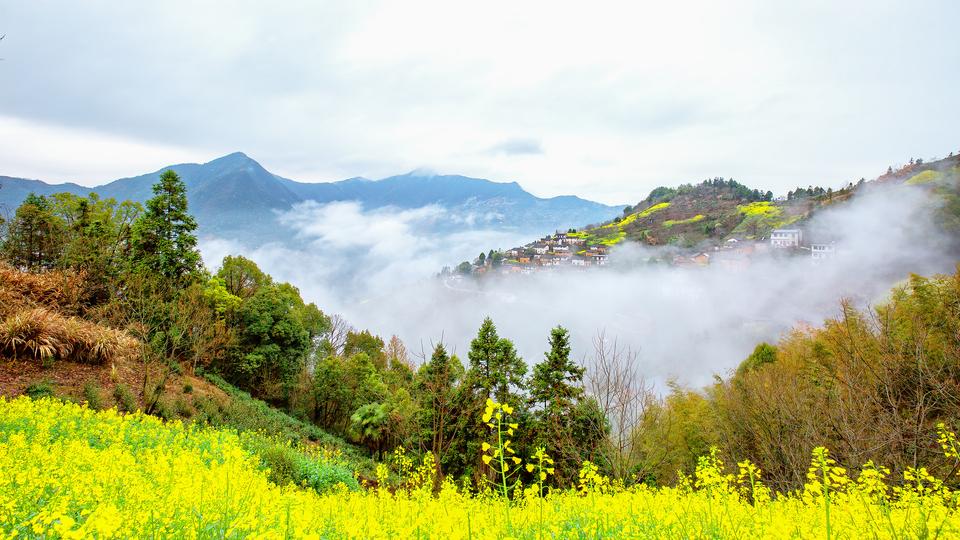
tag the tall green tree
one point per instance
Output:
(241, 276)
(164, 239)
(496, 371)
(35, 236)
(435, 387)
(556, 389)
(557, 382)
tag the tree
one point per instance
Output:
(496, 370)
(435, 387)
(273, 342)
(163, 237)
(34, 236)
(556, 387)
(367, 343)
(369, 424)
(241, 276)
(557, 382)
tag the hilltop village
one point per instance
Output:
(567, 250)
(716, 222)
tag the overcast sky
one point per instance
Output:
(603, 100)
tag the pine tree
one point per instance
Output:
(496, 372)
(164, 242)
(557, 381)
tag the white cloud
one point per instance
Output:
(621, 96)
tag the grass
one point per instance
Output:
(246, 413)
(69, 472)
(924, 177)
(42, 334)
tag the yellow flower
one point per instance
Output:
(485, 446)
(486, 459)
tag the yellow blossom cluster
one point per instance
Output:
(69, 472)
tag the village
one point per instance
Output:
(567, 250)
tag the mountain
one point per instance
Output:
(235, 197)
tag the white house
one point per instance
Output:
(540, 249)
(822, 251)
(599, 258)
(786, 238)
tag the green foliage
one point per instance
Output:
(223, 301)
(299, 466)
(763, 354)
(273, 340)
(369, 424)
(40, 389)
(924, 177)
(368, 344)
(496, 372)
(35, 235)
(92, 395)
(126, 401)
(163, 240)
(241, 276)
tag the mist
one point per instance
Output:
(376, 269)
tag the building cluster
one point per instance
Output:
(572, 251)
(738, 253)
(557, 250)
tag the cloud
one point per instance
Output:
(624, 95)
(375, 268)
(518, 147)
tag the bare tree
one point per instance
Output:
(337, 336)
(624, 397)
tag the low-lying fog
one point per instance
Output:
(376, 269)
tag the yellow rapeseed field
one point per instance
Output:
(67, 471)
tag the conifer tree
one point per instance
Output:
(557, 381)
(164, 242)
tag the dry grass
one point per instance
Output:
(42, 334)
(61, 291)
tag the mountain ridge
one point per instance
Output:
(234, 195)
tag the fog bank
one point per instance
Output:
(375, 268)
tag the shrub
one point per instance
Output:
(40, 389)
(182, 408)
(44, 335)
(187, 388)
(91, 394)
(164, 409)
(126, 401)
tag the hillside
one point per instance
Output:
(234, 197)
(51, 345)
(716, 212)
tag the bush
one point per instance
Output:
(40, 389)
(164, 409)
(92, 395)
(187, 388)
(182, 408)
(291, 465)
(45, 335)
(126, 401)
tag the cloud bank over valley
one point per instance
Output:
(376, 268)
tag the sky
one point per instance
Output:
(605, 100)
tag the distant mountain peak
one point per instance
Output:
(235, 158)
(422, 172)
